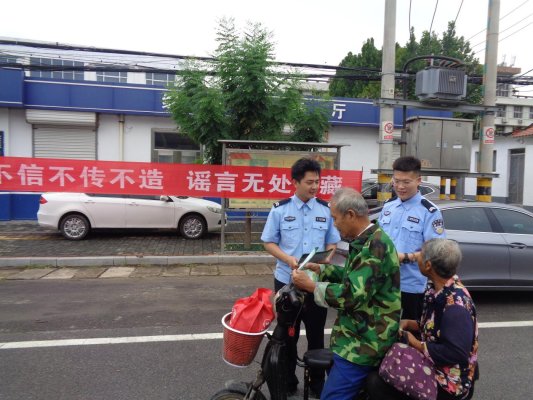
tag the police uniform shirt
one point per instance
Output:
(297, 228)
(409, 224)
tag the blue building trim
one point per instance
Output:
(11, 87)
(135, 99)
(99, 97)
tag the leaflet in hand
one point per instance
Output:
(315, 256)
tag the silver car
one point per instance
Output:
(369, 190)
(496, 241)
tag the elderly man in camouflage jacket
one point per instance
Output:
(366, 294)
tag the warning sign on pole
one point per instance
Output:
(488, 135)
(387, 129)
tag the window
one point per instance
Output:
(111, 76)
(425, 190)
(466, 219)
(517, 111)
(494, 153)
(59, 73)
(530, 112)
(501, 112)
(113, 196)
(502, 90)
(7, 60)
(144, 197)
(514, 221)
(153, 78)
(172, 147)
(371, 192)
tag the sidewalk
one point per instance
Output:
(26, 244)
(88, 272)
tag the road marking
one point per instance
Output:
(115, 340)
(186, 337)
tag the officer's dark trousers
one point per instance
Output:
(314, 319)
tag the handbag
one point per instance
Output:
(409, 371)
(254, 313)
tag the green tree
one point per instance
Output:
(241, 96)
(362, 64)
(449, 45)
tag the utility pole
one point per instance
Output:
(386, 112)
(486, 137)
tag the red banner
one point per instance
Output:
(113, 177)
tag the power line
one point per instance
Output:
(457, 16)
(410, 19)
(161, 55)
(506, 29)
(434, 12)
(510, 12)
(524, 73)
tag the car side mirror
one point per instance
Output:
(164, 198)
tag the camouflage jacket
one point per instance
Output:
(366, 294)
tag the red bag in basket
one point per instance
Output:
(252, 314)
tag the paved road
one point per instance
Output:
(184, 368)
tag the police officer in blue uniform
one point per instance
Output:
(295, 226)
(409, 219)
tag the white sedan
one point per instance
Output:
(75, 214)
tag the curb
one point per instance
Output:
(110, 261)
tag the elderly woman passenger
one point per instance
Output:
(447, 331)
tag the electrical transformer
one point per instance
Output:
(441, 84)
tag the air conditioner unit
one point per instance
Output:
(437, 84)
(504, 120)
(519, 121)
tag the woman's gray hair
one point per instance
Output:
(444, 255)
(347, 198)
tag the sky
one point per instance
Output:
(310, 31)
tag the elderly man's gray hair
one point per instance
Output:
(444, 255)
(347, 198)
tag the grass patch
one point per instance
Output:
(241, 247)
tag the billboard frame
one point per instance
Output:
(302, 149)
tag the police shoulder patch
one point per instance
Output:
(281, 202)
(323, 202)
(438, 226)
(429, 205)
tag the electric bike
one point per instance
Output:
(289, 304)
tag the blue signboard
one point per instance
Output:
(1, 144)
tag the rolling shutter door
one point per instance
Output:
(64, 142)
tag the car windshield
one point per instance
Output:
(367, 184)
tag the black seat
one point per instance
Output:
(319, 358)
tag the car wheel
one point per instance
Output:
(192, 226)
(74, 227)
